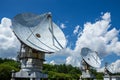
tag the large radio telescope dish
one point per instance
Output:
(90, 57)
(38, 32)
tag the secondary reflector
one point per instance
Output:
(38, 32)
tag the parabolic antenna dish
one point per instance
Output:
(38, 32)
(111, 68)
(90, 57)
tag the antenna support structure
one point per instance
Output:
(31, 64)
(86, 73)
(89, 61)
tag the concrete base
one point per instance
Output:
(112, 77)
(86, 75)
(32, 75)
(31, 64)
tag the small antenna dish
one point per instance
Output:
(111, 68)
(90, 57)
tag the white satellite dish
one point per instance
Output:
(39, 32)
(111, 68)
(90, 57)
(38, 35)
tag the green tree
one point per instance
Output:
(6, 66)
(5, 71)
(99, 76)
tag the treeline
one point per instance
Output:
(55, 72)
(6, 66)
(62, 72)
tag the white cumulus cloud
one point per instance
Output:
(74, 59)
(101, 69)
(8, 42)
(62, 26)
(52, 62)
(98, 37)
(76, 29)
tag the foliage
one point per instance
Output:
(6, 66)
(62, 71)
(62, 68)
(55, 72)
(99, 76)
(62, 76)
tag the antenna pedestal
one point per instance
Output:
(31, 64)
(86, 74)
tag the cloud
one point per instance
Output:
(52, 62)
(8, 42)
(74, 59)
(98, 37)
(62, 26)
(101, 69)
(76, 29)
(65, 56)
(59, 57)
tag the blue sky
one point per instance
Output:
(70, 13)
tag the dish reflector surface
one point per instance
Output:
(38, 32)
(111, 68)
(90, 57)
